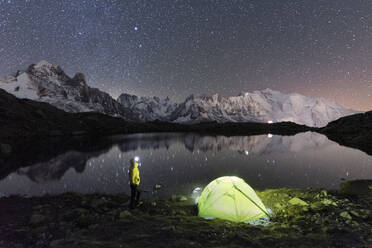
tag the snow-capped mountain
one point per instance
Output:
(258, 106)
(46, 82)
(149, 108)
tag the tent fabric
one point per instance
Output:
(230, 198)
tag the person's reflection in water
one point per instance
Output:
(134, 180)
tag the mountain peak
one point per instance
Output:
(268, 90)
(47, 82)
(44, 69)
(190, 97)
(44, 63)
(265, 91)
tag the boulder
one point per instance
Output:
(125, 214)
(168, 228)
(297, 201)
(178, 198)
(72, 214)
(84, 220)
(98, 203)
(38, 219)
(328, 202)
(356, 187)
(157, 186)
(346, 215)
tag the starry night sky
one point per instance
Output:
(320, 48)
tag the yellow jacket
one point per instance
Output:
(134, 177)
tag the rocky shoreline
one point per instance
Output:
(301, 218)
(353, 131)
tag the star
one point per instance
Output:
(179, 48)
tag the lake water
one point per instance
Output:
(181, 162)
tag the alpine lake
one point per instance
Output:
(177, 163)
(79, 196)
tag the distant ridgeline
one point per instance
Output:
(46, 82)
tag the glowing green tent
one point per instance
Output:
(230, 198)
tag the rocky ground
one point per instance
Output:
(301, 218)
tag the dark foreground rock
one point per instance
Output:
(21, 119)
(353, 131)
(301, 218)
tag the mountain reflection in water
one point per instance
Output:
(183, 161)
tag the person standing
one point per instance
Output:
(134, 180)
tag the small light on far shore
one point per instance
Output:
(270, 135)
(270, 122)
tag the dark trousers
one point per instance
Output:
(134, 195)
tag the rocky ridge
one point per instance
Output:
(48, 83)
(258, 106)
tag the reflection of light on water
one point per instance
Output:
(106, 170)
(270, 135)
